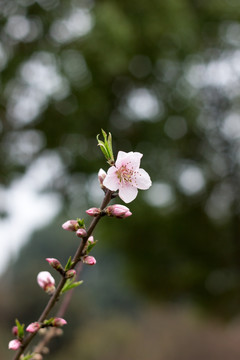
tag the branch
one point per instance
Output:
(77, 257)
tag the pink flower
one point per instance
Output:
(70, 225)
(14, 344)
(119, 211)
(58, 322)
(126, 176)
(89, 260)
(46, 282)
(33, 327)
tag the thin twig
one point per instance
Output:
(53, 332)
(77, 257)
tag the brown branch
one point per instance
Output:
(77, 257)
(53, 332)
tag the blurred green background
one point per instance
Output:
(164, 78)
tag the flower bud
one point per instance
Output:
(89, 260)
(93, 211)
(101, 176)
(46, 282)
(70, 273)
(15, 330)
(81, 232)
(33, 327)
(54, 263)
(118, 211)
(70, 225)
(58, 322)
(90, 239)
(14, 344)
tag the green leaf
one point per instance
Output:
(48, 322)
(70, 284)
(20, 328)
(69, 264)
(90, 246)
(106, 146)
(81, 223)
(28, 356)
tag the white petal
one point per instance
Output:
(120, 157)
(128, 193)
(142, 179)
(111, 181)
(134, 160)
(130, 159)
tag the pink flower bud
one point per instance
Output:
(93, 211)
(101, 176)
(58, 322)
(15, 330)
(119, 211)
(81, 232)
(70, 225)
(91, 239)
(14, 344)
(89, 260)
(70, 273)
(46, 282)
(54, 263)
(33, 327)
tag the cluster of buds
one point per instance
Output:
(46, 282)
(118, 211)
(56, 322)
(76, 226)
(32, 328)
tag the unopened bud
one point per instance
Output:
(93, 211)
(46, 282)
(33, 327)
(118, 211)
(81, 232)
(14, 344)
(90, 239)
(71, 225)
(58, 322)
(89, 260)
(15, 330)
(101, 176)
(70, 273)
(55, 263)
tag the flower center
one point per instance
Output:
(125, 175)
